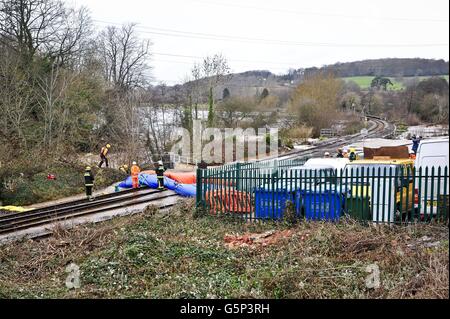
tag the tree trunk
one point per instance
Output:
(211, 108)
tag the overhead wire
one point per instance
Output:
(321, 14)
(218, 37)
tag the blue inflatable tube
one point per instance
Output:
(126, 183)
(185, 190)
(170, 183)
(148, 180)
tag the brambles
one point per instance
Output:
(174, 255)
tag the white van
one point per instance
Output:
(431, 153)
(337, 164)
(310, 172)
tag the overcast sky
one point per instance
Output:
(276, 35)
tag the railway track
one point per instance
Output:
(47, 215)
(379, 128)
(15, 222)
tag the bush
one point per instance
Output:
(294, 135)
(353, 127)
(413, 119)
(199, 212)
(290, 216)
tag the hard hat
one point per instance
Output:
(160, 162)
(88, 168)
(327, 154)
(352, 150)
(108, 146)
(134, 163)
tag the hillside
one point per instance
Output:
(383, 67)
(388, 67)
(253, 82)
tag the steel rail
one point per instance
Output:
(380, 127)
(73, 202)
(79, 204)
(51, 210)
(71, 213)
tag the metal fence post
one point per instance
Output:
(199, 193)
(238, 176)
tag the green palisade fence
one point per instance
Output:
(388, 194)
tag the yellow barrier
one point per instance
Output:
(16, 209)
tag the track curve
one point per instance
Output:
(379, 128)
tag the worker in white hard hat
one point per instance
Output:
(326, 155)
(160, 175)
(135, 170)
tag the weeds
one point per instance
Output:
(176, 255)
(199, 212)
(28, 185)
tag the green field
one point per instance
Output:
(399, 83)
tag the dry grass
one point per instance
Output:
(173, 255)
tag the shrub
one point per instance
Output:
(290, 216)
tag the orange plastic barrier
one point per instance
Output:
(219, 181)
(182, 178)
(229, 200)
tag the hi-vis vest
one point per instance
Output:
(135, 170)
(104, 151)
(88, 179)
(160, 171)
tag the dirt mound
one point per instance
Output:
(255, 239)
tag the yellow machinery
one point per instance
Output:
(393, 179)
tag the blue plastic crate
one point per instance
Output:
(325, 205)
(271, 204)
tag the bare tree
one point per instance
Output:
(124, 57)
(43, 26)
(130, 125)
(72, 39)
(196, 86)
(315, 102)
(232, 111)
(159, 122)
(16, 96)
(216, 71)
(51, 92)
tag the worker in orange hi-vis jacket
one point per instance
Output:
(135, 170)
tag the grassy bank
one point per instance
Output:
(29, 185)
(173, 255)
